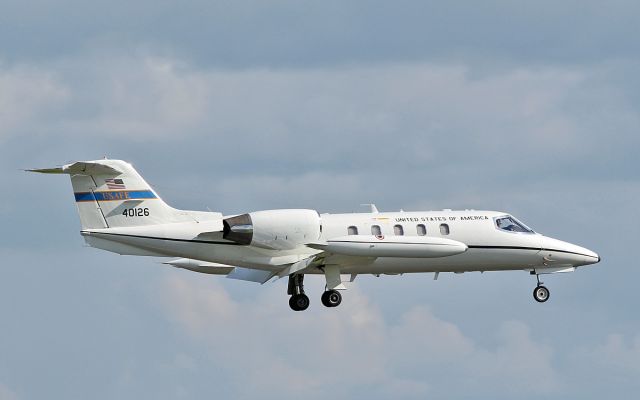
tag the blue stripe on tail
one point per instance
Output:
(116, 195)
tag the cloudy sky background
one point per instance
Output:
(245, 105)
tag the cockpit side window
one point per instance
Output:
(510, 224)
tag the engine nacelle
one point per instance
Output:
(274, 229)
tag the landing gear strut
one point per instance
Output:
(331, 298)
(298, 301)
(540, 293)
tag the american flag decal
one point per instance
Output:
(114, 184)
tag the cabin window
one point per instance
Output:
(375, 230)
(398, 230)
(444, 229)
(421, 229)
(352, 230)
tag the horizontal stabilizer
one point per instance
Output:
(80, 168)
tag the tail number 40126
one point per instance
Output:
(136, 212)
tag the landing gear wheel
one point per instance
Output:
(541, 294)
(331, 298)
(299, 302)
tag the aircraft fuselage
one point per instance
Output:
(488, 248)
(121, 213)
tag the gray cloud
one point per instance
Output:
(619, 353)
(28, 98)
(293, 33)
(355, 350)
(6, 393)
(344, 135)
(405, 116)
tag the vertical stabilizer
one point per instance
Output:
(111, 193)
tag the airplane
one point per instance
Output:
(121, 213)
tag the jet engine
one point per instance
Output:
(273, 229)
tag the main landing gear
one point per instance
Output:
(540, 293)
(299, 301)
(331, 298)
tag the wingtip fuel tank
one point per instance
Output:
(392, 246)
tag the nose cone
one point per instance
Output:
(557, 252)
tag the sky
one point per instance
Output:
(237, 106)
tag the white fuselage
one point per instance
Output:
(488, 247)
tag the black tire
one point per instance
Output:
(299, 302)
(325, 299)
(331, 298)
(541, 294)
(292, 304)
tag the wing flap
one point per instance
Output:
(201, 266)
(250, 275)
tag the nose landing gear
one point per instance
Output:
(540, 293)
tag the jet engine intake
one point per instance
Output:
(238, 229)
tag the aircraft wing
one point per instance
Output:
(246, 274)
(301, 266)
(250, 275)
(231, 272)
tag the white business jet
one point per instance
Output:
(121, 213)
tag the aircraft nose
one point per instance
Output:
(556, 251)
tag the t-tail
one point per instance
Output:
(112, 194)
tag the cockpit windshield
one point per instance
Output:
(510, 224)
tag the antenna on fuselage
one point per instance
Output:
(374, 209)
